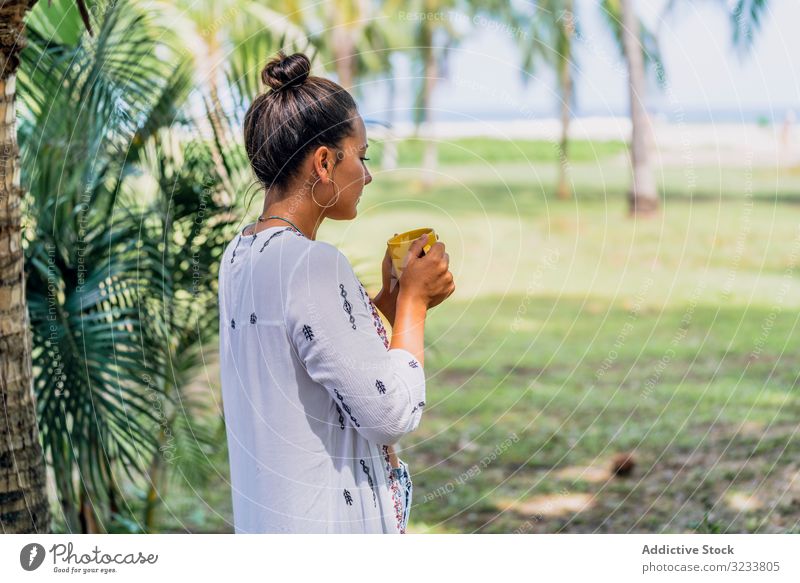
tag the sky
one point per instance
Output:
(707, 79)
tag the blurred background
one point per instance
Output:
(617, 183)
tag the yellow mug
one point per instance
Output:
(399, 244)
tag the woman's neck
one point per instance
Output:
(298, 209)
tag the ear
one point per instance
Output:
(323, 161)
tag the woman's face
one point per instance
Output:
(350, 173)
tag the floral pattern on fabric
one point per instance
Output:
(376, 318)
(394, 486)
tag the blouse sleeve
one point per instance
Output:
(330, 328)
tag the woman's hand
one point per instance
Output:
(386, 300)
(428, 277)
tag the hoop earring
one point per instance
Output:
(315, 200)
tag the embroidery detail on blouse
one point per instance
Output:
(271, 237)
(308, 332)
(419, 405)
(391, 477)
(348, 499)
(394, 486)
(369, 481)
(381, 387)
(253, 318)
(233, 323)
(341, 415)
(364, 296)
(376, 319)
(413, 363)
(239, 240)
(346, 407)
(347, 306)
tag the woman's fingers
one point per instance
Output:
(416, 248)
(444, 263)
(437, 248)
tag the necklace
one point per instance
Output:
(262, 218)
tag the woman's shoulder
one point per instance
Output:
(293, 251)
(323, 277)
(259, 247)
(323, 260)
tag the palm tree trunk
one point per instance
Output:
(389, 155)
(153, 495)
(565, 81)
(566, 88)
(155, 492)
(23, 483)
(342, 42)
(431, 154)
(87, 516)
(643, 196)
(344, 55)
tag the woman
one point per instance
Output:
(314, 394)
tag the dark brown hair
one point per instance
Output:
(298, 114)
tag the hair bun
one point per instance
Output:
(283, 71)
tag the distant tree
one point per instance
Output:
(549, 38)
(639, 48)
(432, 34)
(643, 195)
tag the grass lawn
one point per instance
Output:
(521, 428)
(575, 335)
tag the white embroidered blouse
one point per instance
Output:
(312, 394)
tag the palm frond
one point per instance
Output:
(87, 108)
(746, 18)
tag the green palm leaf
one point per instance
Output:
(87, 109)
